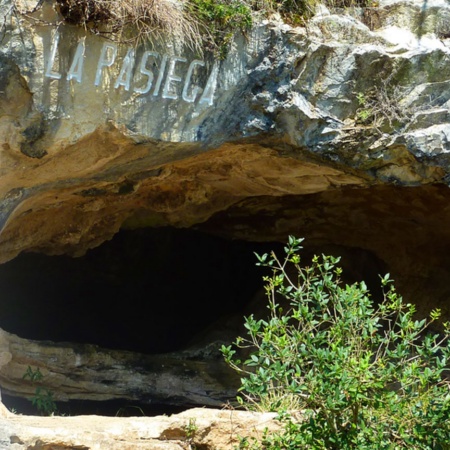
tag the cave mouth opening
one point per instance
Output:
(161, 290)
(150, 291)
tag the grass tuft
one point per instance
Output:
(135, 21)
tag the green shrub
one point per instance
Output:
(219, 20)
(364, 376)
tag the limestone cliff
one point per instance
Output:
(337, 131)
(102, 135)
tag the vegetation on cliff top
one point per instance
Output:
(200, 24)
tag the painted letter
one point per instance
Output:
(76, 68)
(195, 89)
(208, 92)
(160, 75)
(104, 61)
(49, 73)
(143, 69)
(172, 77)
(124, 78)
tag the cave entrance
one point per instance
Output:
(148, 290)
(157, 291)
(152, 291)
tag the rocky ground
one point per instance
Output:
(198, 428)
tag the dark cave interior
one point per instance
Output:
(153, 290)
(148, 291)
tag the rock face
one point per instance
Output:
(338, 132)
(101, 135)
(91, 373)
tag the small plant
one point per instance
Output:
(364, 376)
(134, 21)
(363, 113)
(43, 398)
(191, 429)
(380, 107)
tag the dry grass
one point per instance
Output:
(134, 21)
(381, 107)
(297, 12)
(275, 399)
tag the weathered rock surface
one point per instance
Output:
(195, 428)
(91, 373)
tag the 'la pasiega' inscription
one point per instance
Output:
(172, 80)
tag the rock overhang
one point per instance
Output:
(93, 119)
